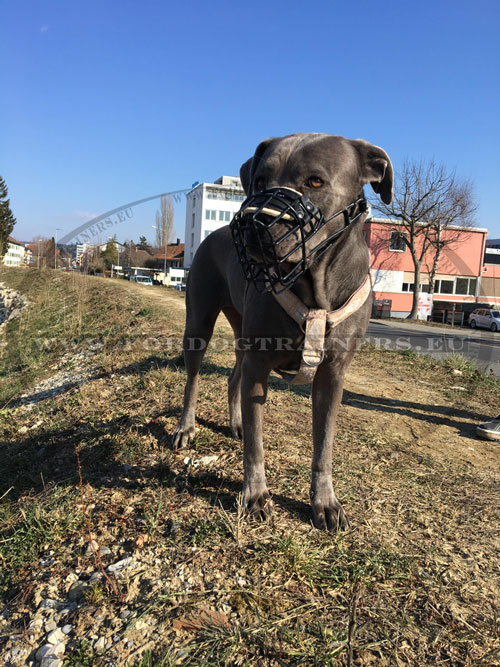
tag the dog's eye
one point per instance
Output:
(315, 182)
(260, 184)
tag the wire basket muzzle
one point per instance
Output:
(270, 233)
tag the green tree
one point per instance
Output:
(7, 220)
(110, 254)
(143, 244)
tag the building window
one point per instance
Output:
(207, 233)
(410, 287)
(397, 241)
(444, 286)
(228, 216)
(192, 239)
(207, 214)
(192, 223)
(194, 202)
(221, 216)
(213, 215)
(465, 286)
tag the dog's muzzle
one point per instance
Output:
(274, 227)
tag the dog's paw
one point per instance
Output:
(260, 506)
(328, 513)
(182, 437)
(237, 431)
(331, 517)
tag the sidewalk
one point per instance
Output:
(463, 332)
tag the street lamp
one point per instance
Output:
(164, 257)
(55, 249)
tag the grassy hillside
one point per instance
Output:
(143, 555)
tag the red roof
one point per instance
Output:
(174, 251)
(12, 240)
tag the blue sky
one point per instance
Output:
(109, 102)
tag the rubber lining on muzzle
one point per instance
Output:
(275, 224)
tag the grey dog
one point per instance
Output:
(331, 171)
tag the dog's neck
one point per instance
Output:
(327, 284)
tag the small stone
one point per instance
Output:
(205, 461)
(50, 625)
(121, 564)
(77, 590)
(46, 649)
(51, 661)
(50, 604)
(125, 614)
(96, 577)
(104, 551)
(56, 636)
(100, 645)
(67, 628)
(92, 547)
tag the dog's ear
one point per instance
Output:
(376, 168)
(248, 168)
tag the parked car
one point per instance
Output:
(486, 318)
(142, 280)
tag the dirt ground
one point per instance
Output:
(177, 575)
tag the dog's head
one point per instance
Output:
(327, 171)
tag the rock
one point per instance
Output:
(43, 651)
(51, 661)
(50, 604)
(455, 371)
(205, 461)
(100, 645)
(77, 591)
(67, 628)
(105, 551)
(125, 614)
(56, 637)
(128, 561)
(92, 547)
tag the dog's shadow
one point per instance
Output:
(219, 490)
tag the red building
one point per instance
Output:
(462, 279)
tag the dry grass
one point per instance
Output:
(416, 582)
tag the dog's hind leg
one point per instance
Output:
(199, 328)
(234, 382)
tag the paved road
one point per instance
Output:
(481, 346)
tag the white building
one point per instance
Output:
(210, 206)
(15, 255)
(81, 249)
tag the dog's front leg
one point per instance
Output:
(328, 513)
(256, 497)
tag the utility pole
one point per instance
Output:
(164, 258)
(55, 249)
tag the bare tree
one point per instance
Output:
(457, 212)
(165, 223)
(429, 202)
(44, 251)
